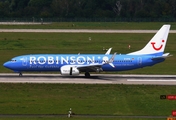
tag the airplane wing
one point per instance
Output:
(161, 57)
(96, 67)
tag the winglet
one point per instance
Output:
(112, 58)
(110, 61)
(108, 52)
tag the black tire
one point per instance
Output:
(20, 74)
(87, 74)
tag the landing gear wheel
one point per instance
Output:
(87, 74)
(20, 74)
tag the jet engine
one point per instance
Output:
(69, 70)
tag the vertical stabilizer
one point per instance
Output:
(157, 44)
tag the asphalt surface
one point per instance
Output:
(78, 31)
(94, 79)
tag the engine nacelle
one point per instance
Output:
(69, 70)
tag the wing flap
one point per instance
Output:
(94, 67)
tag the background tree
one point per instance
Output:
(88, 8)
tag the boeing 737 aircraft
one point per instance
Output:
(73, 64)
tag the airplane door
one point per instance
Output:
(24, 61)
(139, 61)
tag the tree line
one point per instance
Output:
(88, 8)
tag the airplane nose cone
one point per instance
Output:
(6, 64)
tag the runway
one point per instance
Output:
(80, 31)
(94, 79)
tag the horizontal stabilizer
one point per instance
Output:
(161, 57)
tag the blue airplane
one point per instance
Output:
(74, 64)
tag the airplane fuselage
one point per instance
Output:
(53, 62)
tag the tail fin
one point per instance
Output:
(157, 44)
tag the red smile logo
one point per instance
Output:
(153, 45)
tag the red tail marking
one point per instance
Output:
(153, 45)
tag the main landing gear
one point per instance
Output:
(87, 74)
(20, 74)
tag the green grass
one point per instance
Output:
(93, 25)
(15, 44)
(86, 99)
(50, 118)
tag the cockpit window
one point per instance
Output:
(13, 60)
